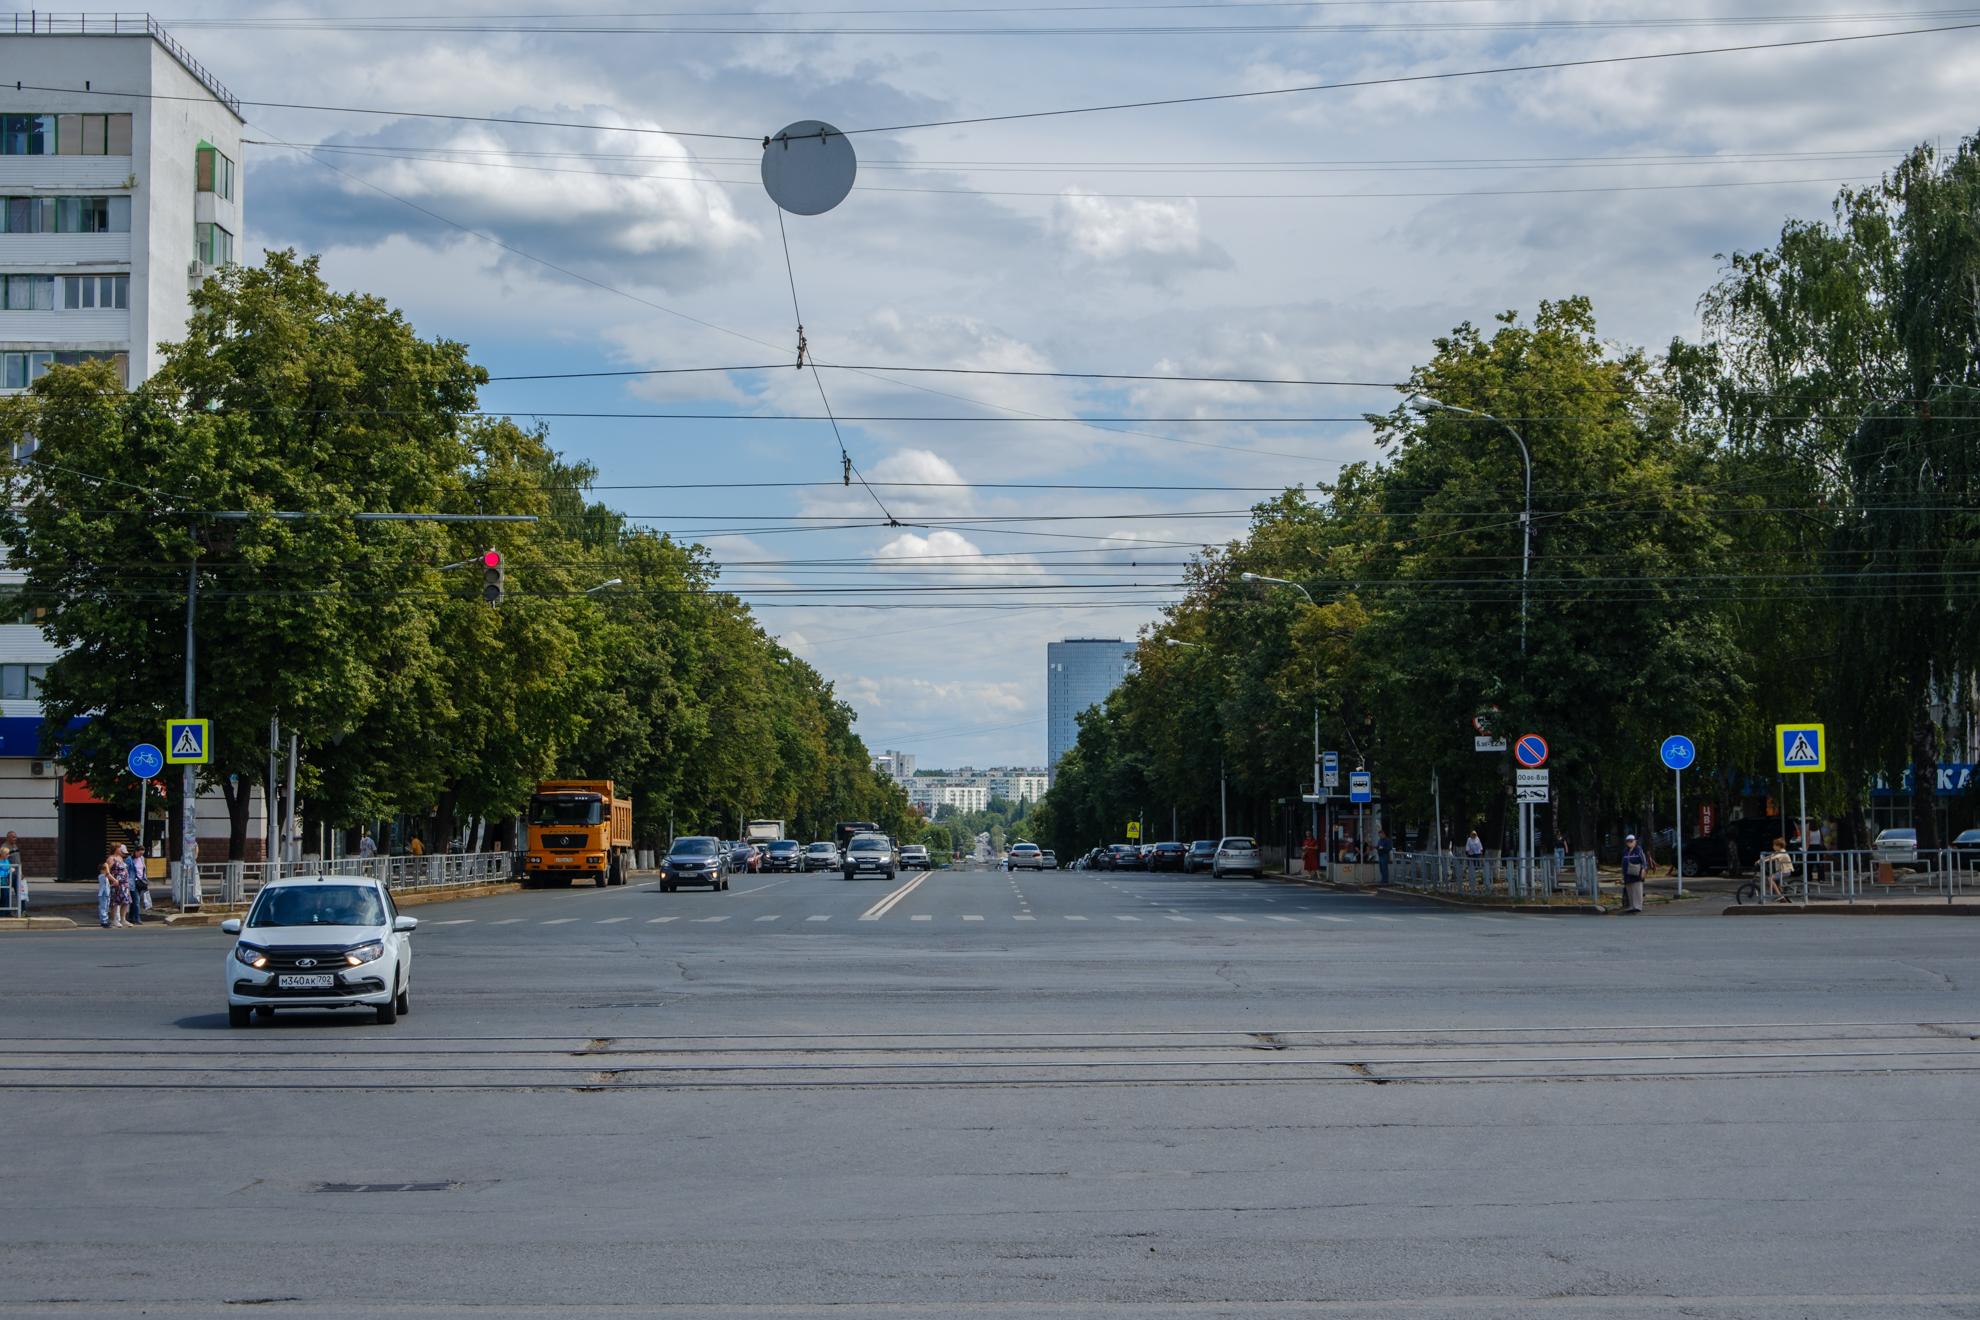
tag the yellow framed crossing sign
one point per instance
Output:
(1801, 749)
(189, 742)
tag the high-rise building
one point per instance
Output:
(1080, 672)
(118, 197)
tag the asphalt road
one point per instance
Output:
(1066, 1094)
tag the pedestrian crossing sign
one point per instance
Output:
(1800, 749)
(189, 742)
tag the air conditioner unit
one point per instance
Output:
(37, 767)
(195, 268)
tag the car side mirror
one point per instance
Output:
(405, 925)
(231, 926)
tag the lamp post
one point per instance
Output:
(607, 583)
(1223, 807)
(1283, 582)
(1424, 405)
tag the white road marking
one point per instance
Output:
(558, 921)
(1119, 917)
(1376, 917)
(509, 921)
(772, 917)
(610, 921)
(457, 921)
(1318, 917)
(972, 918)
(1022, 916)
(1222, 917)
(1270, 917)
(817, 918)
(723, 917)
(886, 905)
(1176, 918)
(1075, 918)
(921, 916)
(772, 885)
(655, 921)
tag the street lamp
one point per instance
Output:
(1223, 805)
(1282, 582)
(609, 582)
(1424, 405)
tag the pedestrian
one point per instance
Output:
(1383, 847)
(19, 859)
(110, 877)
(134, 884)
(367, 846)
(104, 893)
(9, 882)
(416, 846)
(1474, 854)
(1309, 853)
(1776, 869)
(1635, 865)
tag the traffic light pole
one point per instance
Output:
(188, 893)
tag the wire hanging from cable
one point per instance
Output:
(847, 466)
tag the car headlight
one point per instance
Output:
(365, 953)
(536, 861)
(250, 955)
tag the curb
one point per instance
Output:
(1421, 896)
(38, 923)
(213, 915)
(1854, 910)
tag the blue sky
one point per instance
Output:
(1161, 241)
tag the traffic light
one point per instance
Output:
(492, 570)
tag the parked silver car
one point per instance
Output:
(1236, 855)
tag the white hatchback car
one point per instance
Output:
(320, 941)
(1236, 854)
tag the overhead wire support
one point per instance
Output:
(846, 466)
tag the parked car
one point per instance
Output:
(1897, 847)
(1733, 848)
(1199, 856)
(1025, 857)
(320, 941)
(1236, 855)
(822, 856)
(696, 859)
(783, 855)
(1167, 857)
(869, 854)
(1967, 839)
(914, 857)
(1125, 857)
(1051, 860)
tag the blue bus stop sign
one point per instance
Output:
(1678, 753)
(145, 761)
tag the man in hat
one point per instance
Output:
(1635, 865)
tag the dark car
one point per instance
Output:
(695, 860)
(1127, 857)
(1201, 853)
(783, 855)
(1167, 857)
(1733, 848)
(744, 857)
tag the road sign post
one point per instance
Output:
(1678, 753)
(189, 743)
(144, 761)
(1531, 751)
(1802, 750)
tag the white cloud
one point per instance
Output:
(1153, 239)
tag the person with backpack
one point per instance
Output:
(1635, 865)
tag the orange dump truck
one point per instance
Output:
(578, 828)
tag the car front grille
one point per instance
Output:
(292, 960)
(563, 841)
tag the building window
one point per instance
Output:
(67, 215)
(28, 293)
(216, 245)
(92, 135)
(13, 608)
(21, 682)
(216, 172)
(20, 370)
(27, 135)
(101, 292)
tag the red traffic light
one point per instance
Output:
(491, 559)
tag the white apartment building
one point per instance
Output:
(1019, 785)
(119, 194)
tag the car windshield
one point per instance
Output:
(870, 843)
(1899, 836)
(820, 848)
(1024, 847)
(696, 847)
(1203, 845)
(545, 810)
(318, 905)
(782, 847)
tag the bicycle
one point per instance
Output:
(1756, 891)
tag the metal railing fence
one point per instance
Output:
(1548, 875)
(231, 883)
(38, 23)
